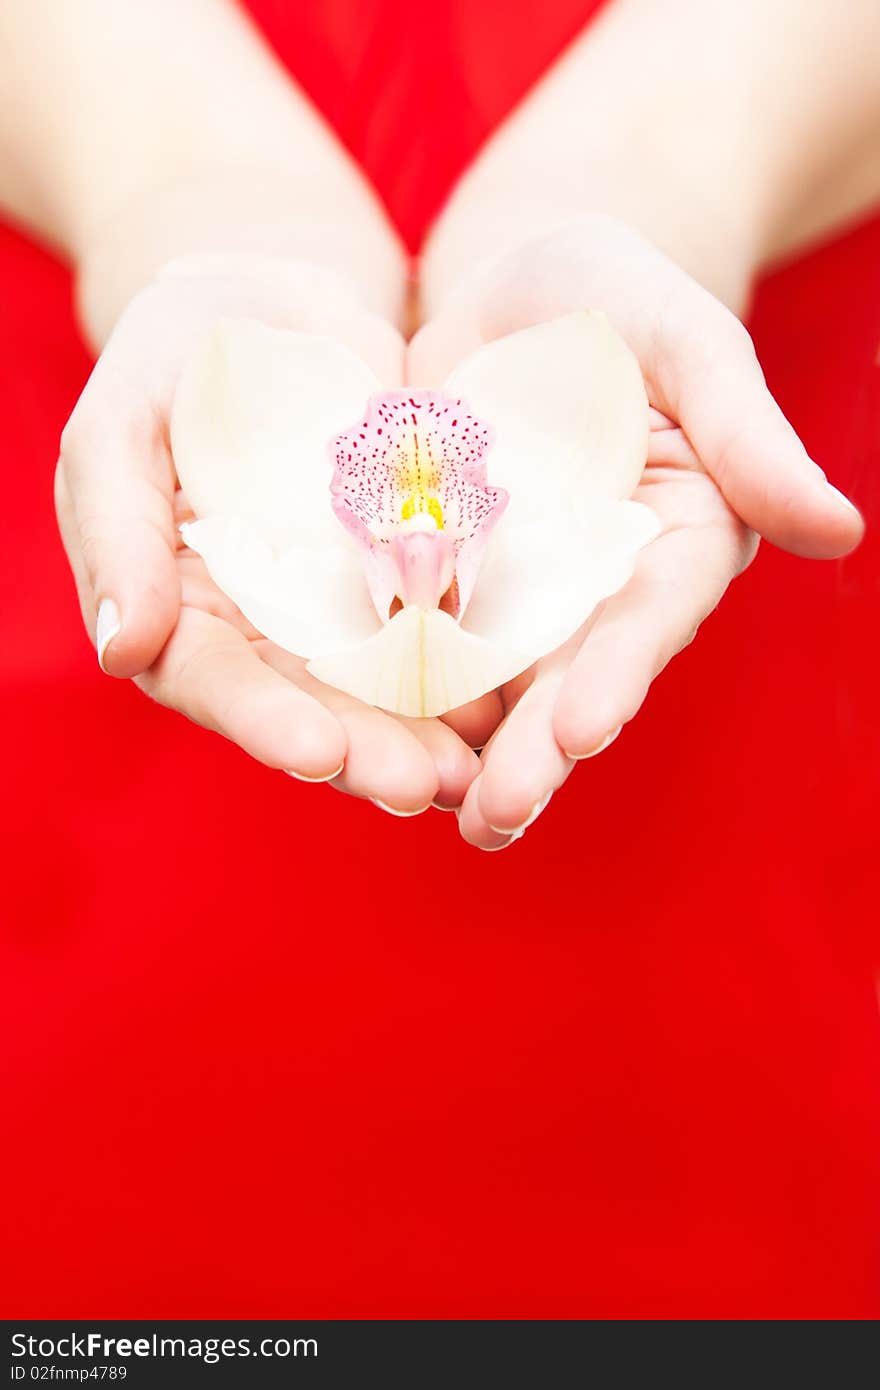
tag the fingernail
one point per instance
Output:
(517, 835)
(393, 811)
(438, 807)
(841, 497)
(533, 815)
(606, 742)
(109, 626)
(328, 777)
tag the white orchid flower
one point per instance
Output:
(419, 547)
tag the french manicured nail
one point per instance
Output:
(438, 807)
(606, 743)
(517, 835)
(835, 491)
(109, 626)
(393, 811)
(517, 830)
(328, 776)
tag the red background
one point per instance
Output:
(273, 1053)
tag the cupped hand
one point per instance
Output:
(724, 467)
(148, 602)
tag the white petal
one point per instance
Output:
(567, 404)
(419, 664)
(254, 413)
(541, 580)
(307, 599)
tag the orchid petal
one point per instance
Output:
(307, 599)
(568, 409)
(540, 581)
(253, 413)
(420, 664)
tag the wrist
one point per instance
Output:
(681, 120)
(230, 214)
(474, 236)
(700, 199)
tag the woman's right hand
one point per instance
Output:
(148, 603)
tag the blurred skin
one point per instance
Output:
(650, 118)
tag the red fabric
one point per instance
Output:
(629, 1069)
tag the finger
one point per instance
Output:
(524, 764)
(473, 826)
(114, 488)
(66, 519)
(385, 761)
(679, 580)
(456, 764)
(198, 590)
(742, 437)
(669, 446)
(212, 674)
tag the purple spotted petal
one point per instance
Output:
(416, 461)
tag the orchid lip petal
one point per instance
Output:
(416, 456)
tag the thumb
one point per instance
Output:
(754, 454)
(114, 491)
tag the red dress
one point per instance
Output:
(630, 1069)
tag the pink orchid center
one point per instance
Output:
(410, 486)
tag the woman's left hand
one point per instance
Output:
(724, 466)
